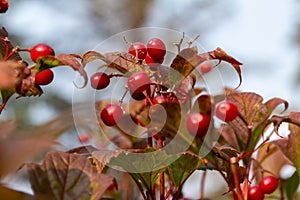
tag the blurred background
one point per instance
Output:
(263, 34)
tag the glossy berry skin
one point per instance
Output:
(255, 193)
(111, 114)
(197, 124)
(268, 184)
(160, 100)
(156, 48)
(3, 6)
(83, 138)
(40, 50)
(205, 67)
(99, 80)
(45, 77)
(153, 64)
(137, 84)
(138, 49)
(226, 111)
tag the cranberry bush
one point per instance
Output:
(157, 170)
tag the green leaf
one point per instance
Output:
(291, 186)
(5, 95)
(143, 166)
(46, 62)
(183, 167)
(67, 176)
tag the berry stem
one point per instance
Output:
(180, 42)
(234, 168)
(162, 174)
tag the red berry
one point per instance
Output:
(45, 77)
(160, 99)
(137, 84)
(156, 49)
(40, 50)
(3, 6)
(205, 67)
(153, 64)
(268, 184)
(111, 114)
(226, 111)
(197, 124)
(138, 49)
(99, 80)
(83, 138)
(255, 193)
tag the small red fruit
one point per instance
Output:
(99, 80)
(197, 124)
(45, 77)
(83, 138)
(156, 48)
(137, 84)
(3, 6)
(138, 49)
(160, 99)
(268, 184)
(205, 67)
(40, 50)
(153, 64)
(111, 114)
(255, 193)
(226, 111)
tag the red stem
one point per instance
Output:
(162, 174)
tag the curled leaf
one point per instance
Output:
(91, 56)
(68, 59)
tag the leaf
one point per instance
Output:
(183, 64)
(267, 155)
(121, 61)
(67, 176)
(7, 193)
(221, 55)
(11, 73)
(205, 104)
(103, 157)
(183, 167)
(3, 45)
(144, 166)
(229, 136)
(290, 146)
(291, 186)
(91, 56)
(70, 60)
(17, 150)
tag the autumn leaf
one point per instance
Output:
(4, 44)
(91, 56)
(17, 150)
(67, 176)
(183, 64)
(290, 146)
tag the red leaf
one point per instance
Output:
(71, 61)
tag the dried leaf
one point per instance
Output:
(221, 55)
(290, 146)
(70, 60)
(91, 56)
(122, 61)
(229, 136)
(204, 104)
(183, 64)
(11, 73)
(67, 176)
(102, 157)
(3, 45)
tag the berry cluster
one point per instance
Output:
(46, 76)
(143, 86)
(267, 185)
